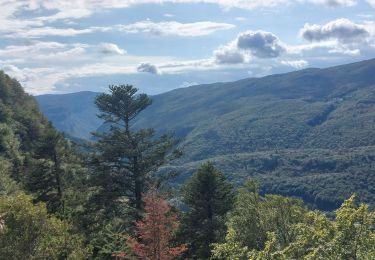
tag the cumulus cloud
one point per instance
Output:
(148, 67)
(371, 2)
(248, 45)
(228, 55)
(261, 44)
(342, 30)
(175, 28)
(111, 49)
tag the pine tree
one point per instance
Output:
(125, 158)
(209, 197)
(154, 232)
(46, 171)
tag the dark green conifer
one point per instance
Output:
(209, 197)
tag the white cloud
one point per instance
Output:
(175, 28)
(298, 64)
(371, 2)
(342, 30)
(345, 51)
(68, 10)
(229, 55)
(340, 36)
(31, 47)
(27, 76)
(37, 32)
(45, 52)
(249, 45)
(111, 49)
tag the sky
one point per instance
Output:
(53, 46)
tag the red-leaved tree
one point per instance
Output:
(154, 232)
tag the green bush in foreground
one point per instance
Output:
(278, 228)
(28, 232)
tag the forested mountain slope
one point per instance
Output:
(313, 108)
(309, 133)
(22, 126)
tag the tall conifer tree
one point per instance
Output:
(209, 197)
(125, 157)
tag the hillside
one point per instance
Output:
(313, 108)
(74, 114)
(23, 133)
(309, 133)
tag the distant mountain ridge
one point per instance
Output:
(281, 127)
(74, 113)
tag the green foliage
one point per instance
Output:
(7, 185)
(122, 165)
(126, 157)
(208, 197)
(51, 170)
(355, 236)
(322, 178)
(287, 230)
(254, 216)
(40, 159)
(232, 248)
(245, 219)
(36, 159)
(10, 144)
(28, 232)
(109, 238)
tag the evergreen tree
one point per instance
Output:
(122, 166)
(48, 170)
(126, 158)
(209, 197)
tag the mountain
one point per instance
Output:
(73, 114)
(309, 133)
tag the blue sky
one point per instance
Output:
(54, 46)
